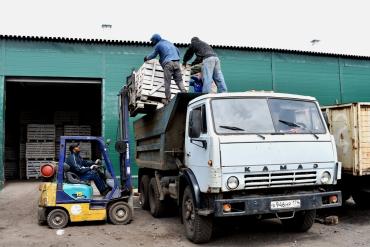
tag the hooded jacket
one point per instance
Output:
(201, 49)
(166, 50)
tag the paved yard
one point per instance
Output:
(18, 227)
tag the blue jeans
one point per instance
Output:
(211, 71)
(93, 175)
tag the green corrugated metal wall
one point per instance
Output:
(329, 79)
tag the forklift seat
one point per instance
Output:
(70, 177)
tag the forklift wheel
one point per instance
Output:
(120, 213)
(57, 218)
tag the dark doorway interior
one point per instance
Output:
(46, 102)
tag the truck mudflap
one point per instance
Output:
(254, 205)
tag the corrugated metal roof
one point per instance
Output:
(144, 43)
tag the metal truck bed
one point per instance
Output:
(159, 136)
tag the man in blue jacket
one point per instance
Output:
(85, 169)
(169, 57)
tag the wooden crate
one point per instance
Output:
(10, 153)
(40, 132)
(66, 117)
(77, 130)
(10, 169)
(146, 87)
(40, 150)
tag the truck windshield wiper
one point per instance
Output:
(230, 127)
(289, 123)
(299, 126)
(237, 128)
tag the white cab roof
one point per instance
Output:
(252, 94)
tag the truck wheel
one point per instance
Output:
(198, 228)
(157, 207)
(57, 218)
(144, 189)
(120, 213)
(361, 198)
(302, 221)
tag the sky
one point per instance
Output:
(341, 26)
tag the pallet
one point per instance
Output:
(33, 168)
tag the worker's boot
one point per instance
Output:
(165, 101)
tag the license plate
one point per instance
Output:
(286, 204)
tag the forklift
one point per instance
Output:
(67, 199)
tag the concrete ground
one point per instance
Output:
(18, 227)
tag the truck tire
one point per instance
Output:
(302, 221)
(198, 228)
(144, 189)
(157, 207)
(361, 198)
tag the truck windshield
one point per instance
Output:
(266, 116)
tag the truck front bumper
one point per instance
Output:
(255, 205)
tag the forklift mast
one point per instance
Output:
(123, 142)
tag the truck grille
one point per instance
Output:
(279, 179)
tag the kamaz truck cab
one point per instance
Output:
(233, 154)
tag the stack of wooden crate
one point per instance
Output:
(79, 130)
(146, 87)
(40, 147)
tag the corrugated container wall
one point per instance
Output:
(330, 79)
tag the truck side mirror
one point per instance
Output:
(195, 123)
(326, 118)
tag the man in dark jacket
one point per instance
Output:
(211, 68)
(169, 57)
(86, 170)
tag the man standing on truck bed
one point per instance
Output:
(169, 57)
(211, 68)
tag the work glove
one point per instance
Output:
(93, 167)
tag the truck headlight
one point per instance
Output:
(232, 183)
(325, 178)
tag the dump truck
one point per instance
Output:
(262, 154)
(350, 125)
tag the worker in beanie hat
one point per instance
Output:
(211, 66)
(169, 57)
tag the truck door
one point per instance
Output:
(197, 147)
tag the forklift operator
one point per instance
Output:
(85, 169)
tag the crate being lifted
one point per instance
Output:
(146, 87)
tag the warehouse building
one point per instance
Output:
(72, 84)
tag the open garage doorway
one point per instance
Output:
(38, 111)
